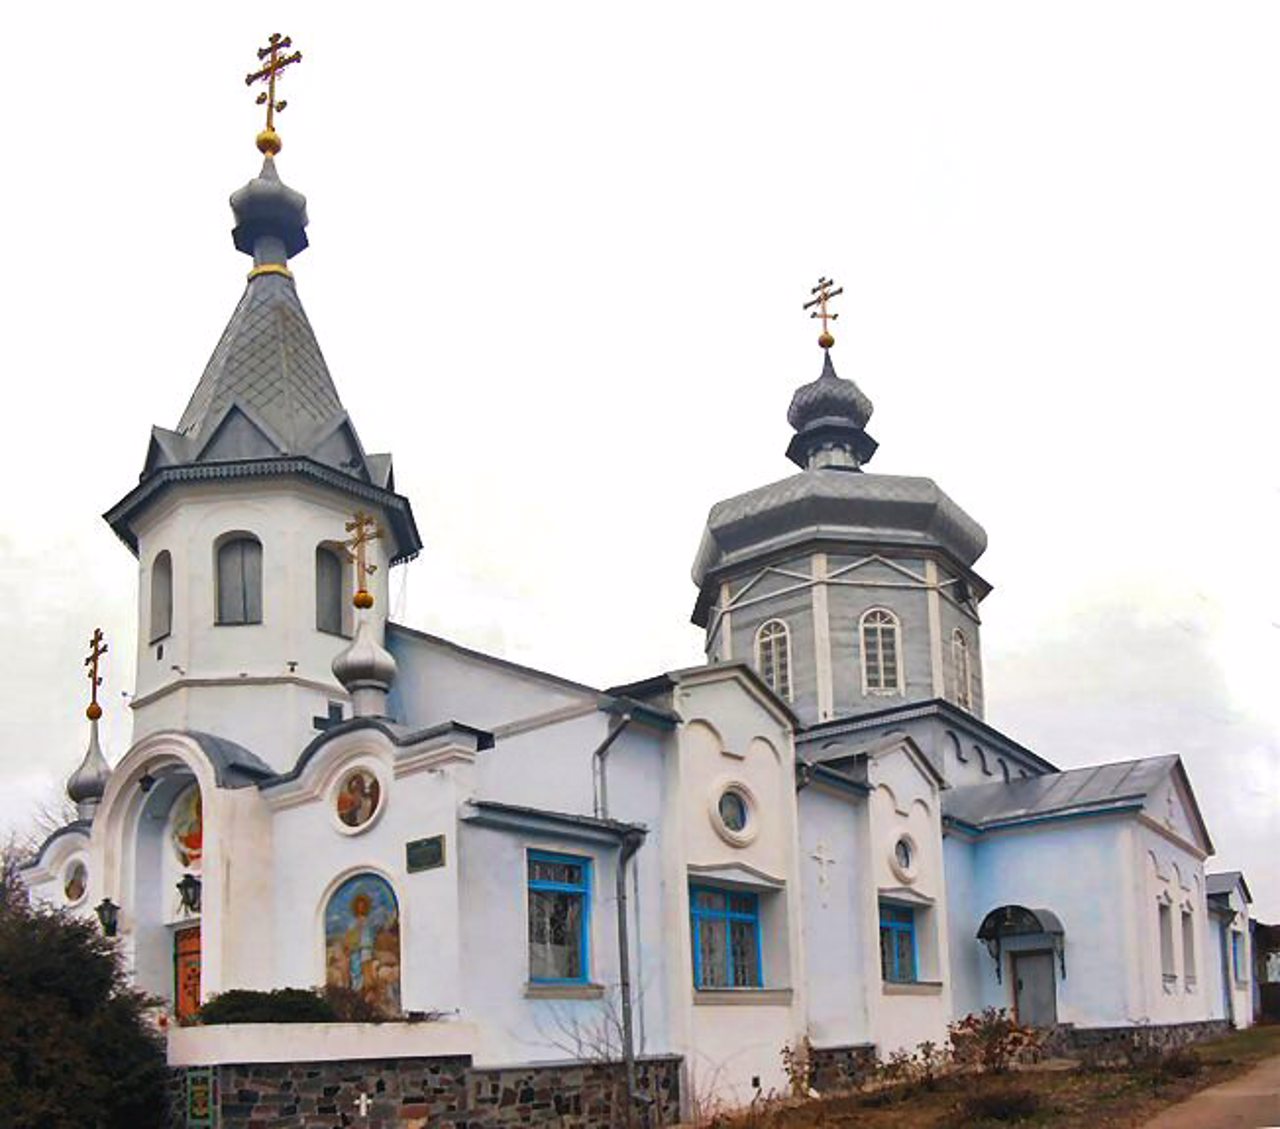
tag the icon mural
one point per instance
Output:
(75, 882)
(362, 941)
(358, 797)
(187, 828)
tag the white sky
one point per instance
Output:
(558, 256)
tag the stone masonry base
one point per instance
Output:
(415, 1093)
(1107, 1042)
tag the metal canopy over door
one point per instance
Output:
(1035, 997)
(186, 972)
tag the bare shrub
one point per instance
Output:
(992, 1041)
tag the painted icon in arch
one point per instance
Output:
(362, 941)
(187, 828)
(75, 882)
(358, 797)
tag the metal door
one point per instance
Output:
(1035, 997)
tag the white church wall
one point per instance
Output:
(903, 807)
(837, 935)
(255, 662)
(964, 949)
(1082, 871)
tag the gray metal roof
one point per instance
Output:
(1224, 882)
(1094, 790)
(233, 765)
(829, 396)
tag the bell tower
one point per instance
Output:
(241, 512)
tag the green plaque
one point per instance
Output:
(200, 1100)
(424, 854)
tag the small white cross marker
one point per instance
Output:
(362, 1105)
(823, 860)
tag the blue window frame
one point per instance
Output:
(725, 927)
(1237, 956)
(559, 918)
(898, 944)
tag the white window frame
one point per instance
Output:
(783, 691)
(961, 659)
(899, 689)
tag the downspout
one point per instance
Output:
(1228, 989)
(599, 776)
(630, 843)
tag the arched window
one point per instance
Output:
(881, 652)
(331, 602)
(362, 941)
(240, 579)
(161, 596)
(773, 657)
(964, 675)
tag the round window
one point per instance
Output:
(358, 797)
(733, 811)
(902, 853)
(75, 881)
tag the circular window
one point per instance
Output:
(75, 881)
(733, 811)
(358, 798)
(904, 858)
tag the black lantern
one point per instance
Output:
(109, 916)
(189, 892)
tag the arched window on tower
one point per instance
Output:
(161, 596)
(332, 599)
(773, 657)
(239, 580)
(963, 669)
(881, 652)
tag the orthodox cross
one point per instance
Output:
(824, 295)
(363, 529)
(362, 1104)
(334, 718)
(97, 648)
(823, 860)
(268, 139)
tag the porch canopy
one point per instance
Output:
(1018, 921)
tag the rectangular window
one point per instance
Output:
(1188, 949)
(898, 944)
(725, 929)
(1168, 969)
(559, 917)
(1237, 956)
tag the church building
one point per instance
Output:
(814, 834)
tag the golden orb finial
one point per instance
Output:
(93, 711)
(824, 295)
(363, 529)
(363, 599)
(269, 142)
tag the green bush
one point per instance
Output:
(284, 1005)
(76, 1045)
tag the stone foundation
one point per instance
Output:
(841, 1068)
(1112, 1042)
(417, 1093)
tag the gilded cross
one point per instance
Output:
(268, 139)
(97, 648)
(824, 295)
(363, 529)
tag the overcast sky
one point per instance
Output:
(558, 257)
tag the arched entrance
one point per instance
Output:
(1034, 942)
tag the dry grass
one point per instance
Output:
(1111, 1098)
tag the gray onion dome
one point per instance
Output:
(88, 783)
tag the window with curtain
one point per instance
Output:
(161, 596)
(773, 657)
(1168, 969)
(330, 602)
(240, 580)
(880, 651)
(559, 917)
(898, 944)
(725, 927)
(964, 676)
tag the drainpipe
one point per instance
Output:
(631, 840)
(599, 776)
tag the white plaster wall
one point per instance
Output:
(836, 931)
(965, 952)
(270, 678)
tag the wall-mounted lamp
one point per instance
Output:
(146, 782)
(189, 892)
(108, 916)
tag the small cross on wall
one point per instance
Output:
(362, 1104)
(824, 861)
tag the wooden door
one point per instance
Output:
(186, 972)
(1035, 997)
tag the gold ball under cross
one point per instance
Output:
(269, 142)
(93, 711)
(826, 340)
(363, 599)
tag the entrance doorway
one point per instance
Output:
(1035, 997)
(186, 972)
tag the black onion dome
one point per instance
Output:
(829, 397)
